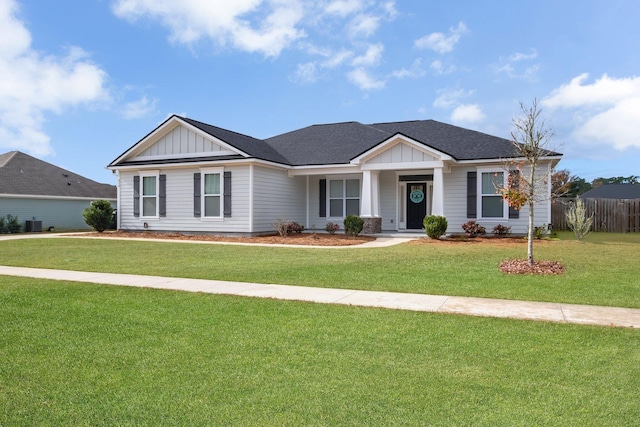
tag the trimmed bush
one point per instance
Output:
(98, 215)
(353, 225)
(435, 226)
(473, 229)
(501, 230)
(294, 227)
(332, 227)
(12, 225)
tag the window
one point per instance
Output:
(211, 195)
(492, 203)
(150, 196)
(344, 197)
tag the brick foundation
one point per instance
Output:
(372, 225)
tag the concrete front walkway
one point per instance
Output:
(541, 311)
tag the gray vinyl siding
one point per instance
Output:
(276, 195)
(179, 197)
(455, 206)
(60, 214)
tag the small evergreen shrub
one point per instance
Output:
(12, 224)
(3, 226)
(435, 226)
(353, 225)
(473, 229)
(98, 215)
(332, 227)
(540, 232)
(501, 230)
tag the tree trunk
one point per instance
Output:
(530, 236)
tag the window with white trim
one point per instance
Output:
(212, 201)
(344, 197)
(149, 199)
(492, 205)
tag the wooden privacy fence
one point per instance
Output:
(610, 215)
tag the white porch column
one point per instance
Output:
(365, 197)
(375, 194)
(370, 197)
(437, 203)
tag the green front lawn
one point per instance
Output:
(79, 354)
(601, 271)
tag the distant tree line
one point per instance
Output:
(563, 184)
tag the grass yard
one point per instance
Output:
(601, 271)
(79, 354)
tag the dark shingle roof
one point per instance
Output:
(25, 175)
(614, 191)
(247, 144)
(459, 143)
(327, 144)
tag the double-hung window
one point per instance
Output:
(149, 198)
(212, 200)
(492, 205)
(344, 197)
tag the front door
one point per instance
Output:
(416, 205)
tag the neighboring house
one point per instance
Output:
(189, 176)
(34, 190)
(613, 191)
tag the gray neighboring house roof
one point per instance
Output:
(21, 174)
(614, 191)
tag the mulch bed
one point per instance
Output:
(521, 266)
(302, 239)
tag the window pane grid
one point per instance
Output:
(344, 197)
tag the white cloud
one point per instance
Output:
(139, 108)
(34, 85)
(266, 27)
(511, 68)
(440, 69)
(343, 7)
(416, 71)
(606, 111)
(370, 58)
(306, 73)
(467, 113)
(450, 98)
(363, 25)
(441, 42)
(363, 80)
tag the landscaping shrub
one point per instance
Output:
(540, 232)
(577, 220)
(3, 227)
(12, 225)
(435, 226)
(353, 225)
(294, 227)
(332, 227)
(98, 215)
(501, 230)
(473, 229)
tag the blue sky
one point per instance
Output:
(81, 81)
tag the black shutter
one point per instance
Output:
(323, 198)
(196, 194)
(227, 194)
(163, 195)
(472, 194)
(136, 195)
(515, 184)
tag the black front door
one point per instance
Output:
(416, 205)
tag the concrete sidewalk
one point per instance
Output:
(541, 311)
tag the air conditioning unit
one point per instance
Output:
(33, 226)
